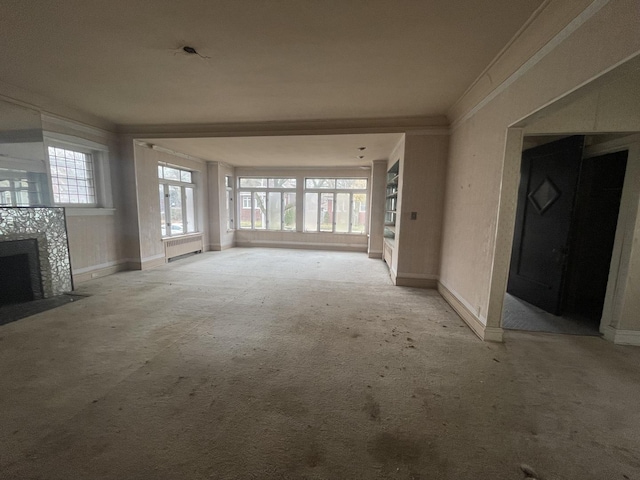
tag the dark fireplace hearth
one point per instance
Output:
(20, 279)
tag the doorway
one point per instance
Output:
(566, 219)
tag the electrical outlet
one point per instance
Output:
(414, 215)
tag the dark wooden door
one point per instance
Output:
(549, 175)
(594, 231)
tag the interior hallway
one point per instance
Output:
(286, 364)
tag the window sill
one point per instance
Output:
(88, 211)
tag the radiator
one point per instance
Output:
(174, 247)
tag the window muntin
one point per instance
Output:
(177, 201)
(342, 210)
(72, 176)
(267, 203)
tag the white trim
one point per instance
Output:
(431, 131)
(173, 152)
(80, 271)
(80, 127)
(621, 337)
(478, 324)
(551, 45)
(73, 141)
(426, 276)
(309, 245)
(612, 146)
(88, 211)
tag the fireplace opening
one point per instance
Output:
(20, 279)
(15, 279)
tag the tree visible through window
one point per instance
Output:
(336, 205)
(268, 203)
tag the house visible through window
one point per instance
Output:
(268, 203)
(336, 205)
(72, 176)
(177, 201)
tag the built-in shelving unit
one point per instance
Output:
(391, 205)
(391, 201)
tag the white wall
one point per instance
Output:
(146, 161)
(595, 39)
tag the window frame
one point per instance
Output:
(165, 184)
(334, 191)
(101, 172)
(267, 190)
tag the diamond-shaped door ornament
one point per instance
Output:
(544, 196)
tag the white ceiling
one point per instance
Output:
(287, 151)
(278, 60)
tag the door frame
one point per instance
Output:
(612, 314)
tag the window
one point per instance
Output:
(72, 176)
(228, 183)
(268, 203)
(177, 201)
(336, 205)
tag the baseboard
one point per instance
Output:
(375, 254)
(89, 273)
(621, 337)
(216, 247)
(148, 262)
(489, 334)
(404, 281)
(340, 247)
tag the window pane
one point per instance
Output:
(342, 212)
(259, 210)
(326, 212)
(253, 182)
(227, 181)
(245, 211)
(359, 214)
(289, 211)
(175, 210)
(171, 173)
(163, 218)
(352, 183)
(159, 171)
(185, 176)
(275, 213)
(282, 182)
(320, 183)
(310, 212)
(191, 214)
(71, 170)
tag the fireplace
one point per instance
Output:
(34, 254)
(20, 279)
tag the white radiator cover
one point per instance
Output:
(174, 247)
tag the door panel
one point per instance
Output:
(549, 175)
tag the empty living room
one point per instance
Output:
(320, 239)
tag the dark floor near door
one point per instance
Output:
(520, 315)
